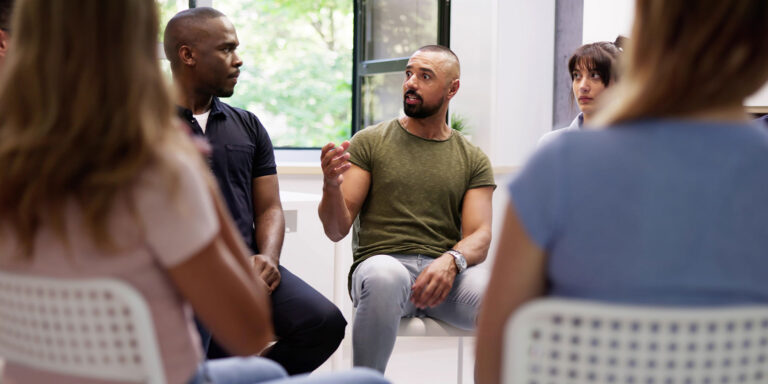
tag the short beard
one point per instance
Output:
(224, 92)
(420, 111)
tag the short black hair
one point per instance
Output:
(175, 35)
(5, 14)
(600, 57)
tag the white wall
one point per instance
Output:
(473, 39)
(759, 99)
(606, 19)
(507, 50)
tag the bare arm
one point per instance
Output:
(270, 228)
(435, 282)
(518, 275)
(476, 222)
(268, 216)
(345, 187)
(233, 303)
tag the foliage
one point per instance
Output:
(166, 8)
(459, 123)
(297, 71)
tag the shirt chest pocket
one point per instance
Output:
(240, 161)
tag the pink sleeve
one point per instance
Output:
(178, 222)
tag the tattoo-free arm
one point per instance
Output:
(435, 282)
(345, 187)
(518, 275)
(476, 222)
(242, 322)
(269, 231)
(268, 217)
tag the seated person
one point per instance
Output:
(593, 68)
(99, 180)
(421, 194)
(666, 206)
(201, 45)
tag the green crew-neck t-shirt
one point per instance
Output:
(417, 189)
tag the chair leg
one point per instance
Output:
(460, 365)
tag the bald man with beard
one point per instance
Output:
(201, 45)
(419, 195)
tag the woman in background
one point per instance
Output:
(664, 207)
(99, 180)
(593, 68)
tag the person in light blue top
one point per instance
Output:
(593, 68)
(763, 119)
(666, 205)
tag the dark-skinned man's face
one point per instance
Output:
(216, 62)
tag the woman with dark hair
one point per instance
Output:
(666, 205)
(593, 68)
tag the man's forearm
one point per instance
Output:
(270, 231)
(334, 214)
(475, 246)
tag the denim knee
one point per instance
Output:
(382, 277)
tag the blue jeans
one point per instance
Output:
(258, 370)
(381, 289)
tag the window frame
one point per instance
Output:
(362, 68)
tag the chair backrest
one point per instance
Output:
(564, 341)
(94, 328)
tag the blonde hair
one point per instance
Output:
(690, 56)
(84, 109)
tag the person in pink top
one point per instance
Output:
(100, 180)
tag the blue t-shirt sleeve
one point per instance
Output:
(537, 193)
(264, 156)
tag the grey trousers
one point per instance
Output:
(381, 289)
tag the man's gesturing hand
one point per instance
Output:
(266, 268)
(434, 283)
(334, 161)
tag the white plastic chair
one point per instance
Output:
(429, 327)
(93, 328)
(563, 341)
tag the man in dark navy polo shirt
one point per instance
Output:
(200, 44)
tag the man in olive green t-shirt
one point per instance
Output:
(421, 194)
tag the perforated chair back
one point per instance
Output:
(563, 341)
(93, 328)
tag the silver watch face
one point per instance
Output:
(462, 263)
(459, 260)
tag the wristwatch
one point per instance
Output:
(458, 259)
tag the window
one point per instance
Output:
(386, 34)
(317, 71)
(297, 71)
(297, 65)
(166, 10)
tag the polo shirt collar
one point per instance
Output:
(216, 109)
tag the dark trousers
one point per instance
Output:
(308, 327)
